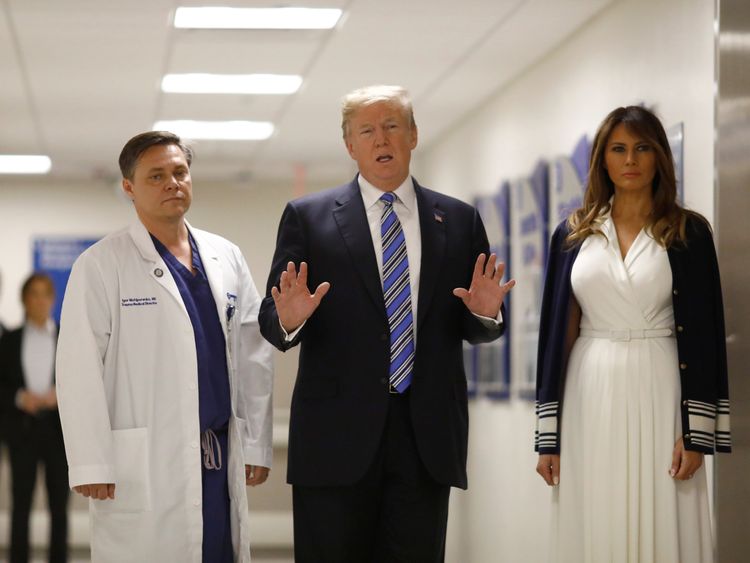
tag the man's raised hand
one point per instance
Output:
(294, 302)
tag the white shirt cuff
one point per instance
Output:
(258, 455)
(289, 337)
(489, 322)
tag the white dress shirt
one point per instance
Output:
(38, 346)
(405, 208)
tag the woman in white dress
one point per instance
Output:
(632, 350)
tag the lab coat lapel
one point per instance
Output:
(351, 218)
(158, 270)
(214, 273)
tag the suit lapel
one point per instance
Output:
(432, 222)
(351, 218)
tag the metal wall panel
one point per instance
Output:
(732, 218)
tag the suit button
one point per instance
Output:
(683, 365)
(684, 403)
(674, 291)
(680, 328)
(383, 337)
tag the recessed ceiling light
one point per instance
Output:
(221, 130)
(256, 18)
(196, 83)
(24, 164)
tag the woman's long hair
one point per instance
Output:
(667, 220)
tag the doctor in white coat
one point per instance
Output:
(163, 380)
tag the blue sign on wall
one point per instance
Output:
(569, 175)
(55, 256)
(529, 221)
(488, 365)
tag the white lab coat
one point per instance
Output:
(127, 386)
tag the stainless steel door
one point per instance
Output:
(732, 219)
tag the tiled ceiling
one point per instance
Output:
(80, 77)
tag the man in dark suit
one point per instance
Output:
(31, 421)
(379, 417)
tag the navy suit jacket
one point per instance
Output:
(340, 398)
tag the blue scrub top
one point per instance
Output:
(213, 379)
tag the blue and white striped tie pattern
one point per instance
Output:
(397, 295)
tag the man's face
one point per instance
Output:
(161, 188)
(380, 138)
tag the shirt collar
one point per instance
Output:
(405, 193)
(48, 328)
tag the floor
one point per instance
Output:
(264, 556)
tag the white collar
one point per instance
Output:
(48, 328)
(405, 193)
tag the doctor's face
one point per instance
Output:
(380, 138)
(161, 188)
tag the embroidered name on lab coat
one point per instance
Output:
(138, 301)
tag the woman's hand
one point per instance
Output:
(684, 462)
(548, 467)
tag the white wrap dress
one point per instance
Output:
(616, 502)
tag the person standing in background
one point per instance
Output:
(2, 326)
(2, 411)
(379, 416)
(632, 370)
(164, 381)
(31, 421)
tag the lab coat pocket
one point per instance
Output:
(132, 485)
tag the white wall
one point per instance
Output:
(657, 52)
(247, 216)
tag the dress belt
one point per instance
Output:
(627, 334)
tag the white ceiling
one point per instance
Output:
(80, 77)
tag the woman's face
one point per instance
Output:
(39, 300)
(629, 160)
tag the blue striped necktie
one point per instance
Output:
(397, 295)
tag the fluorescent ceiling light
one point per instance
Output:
(224, 130)
(24, 164)
(256, 18)
(231, 83)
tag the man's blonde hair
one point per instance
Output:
(362, 97)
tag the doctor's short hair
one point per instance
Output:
(139, 144)
(362, 97)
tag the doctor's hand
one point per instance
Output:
(548, 467)
(256, 475)
(97, 491)
(486, 293)
(294, 302)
